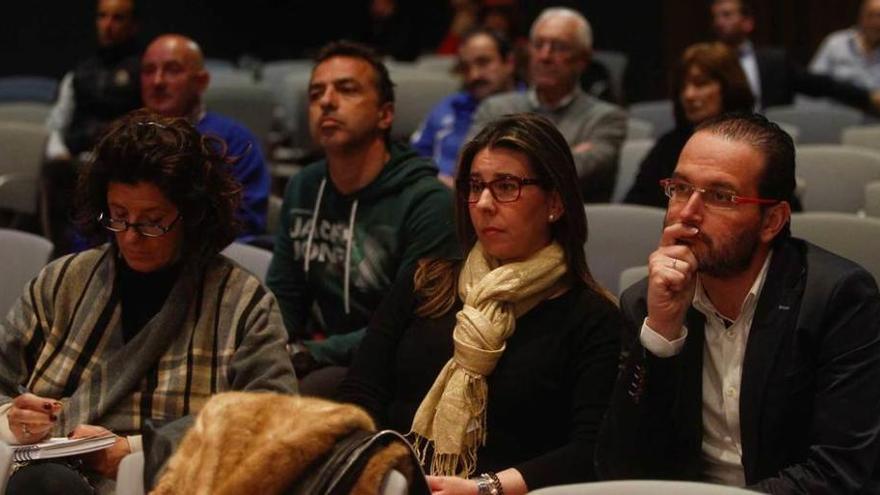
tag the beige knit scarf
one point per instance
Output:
(452, 417)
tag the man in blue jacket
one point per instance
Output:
(486, 65)
(173, 79)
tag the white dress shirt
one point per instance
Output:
(843, 57)
(723, 353)
(749, 64)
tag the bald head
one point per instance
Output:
(114, 22)
(173, 76)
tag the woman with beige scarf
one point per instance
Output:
(501, 364)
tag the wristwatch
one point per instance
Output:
(489, 484)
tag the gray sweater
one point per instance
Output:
(583, 119)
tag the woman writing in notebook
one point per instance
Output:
(147, 326)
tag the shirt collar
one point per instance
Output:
(746, 49)
(564, 102)
(197, 115)
(464, 101)
(704, 305)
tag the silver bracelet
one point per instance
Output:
(489, 484)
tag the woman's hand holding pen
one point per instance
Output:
(31, 418)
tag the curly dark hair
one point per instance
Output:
(190, 169)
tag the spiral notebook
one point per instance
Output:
(61, 447)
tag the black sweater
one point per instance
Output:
(547, 394)
(658, 164)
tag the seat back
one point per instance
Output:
(28, 88)
(817, 124)
(30, 112)
(130, 477)
(658, 112)
(443, 64)
(632, 153)
(866, 136)
(835, 176)
(295, 108)
(23, 256)
(416, 92)
(21, 152)
(253, 259)
(792, 130)
(639, 129)
(620, 236)
(642, 487)
(872, 199)
(252, 105)
(632, 275)
(616, 63)
(850, 236)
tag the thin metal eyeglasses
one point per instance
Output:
(505, 189)
(145, 229)
(679, 190)
(555, 46)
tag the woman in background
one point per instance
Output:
(708, 81)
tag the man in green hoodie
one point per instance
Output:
(366, 211)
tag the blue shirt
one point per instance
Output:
(442, 134)
(250, 170)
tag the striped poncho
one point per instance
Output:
(218, 330)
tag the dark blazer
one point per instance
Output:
(810, 393)
(781, 79)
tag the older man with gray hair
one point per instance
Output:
(560, 49)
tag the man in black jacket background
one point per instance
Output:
(773, 76)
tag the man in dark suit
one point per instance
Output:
(773, 77)
(751, 358)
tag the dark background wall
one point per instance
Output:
(48, 37)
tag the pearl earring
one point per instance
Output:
(552, 217)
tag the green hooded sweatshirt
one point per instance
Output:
(403, 215)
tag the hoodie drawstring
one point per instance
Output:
(314, 226)
(308, 253)
(351, 217)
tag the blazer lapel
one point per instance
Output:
(775, 317)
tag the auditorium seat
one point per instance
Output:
(835, 176)
(25, 255)
(620, 236)
(632, 153)
(659, 113)
(847, 235)
(817, 124)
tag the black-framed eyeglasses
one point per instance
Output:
(679, 190)
(145, 229)
(505, 189)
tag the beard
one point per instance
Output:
(725, 257)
